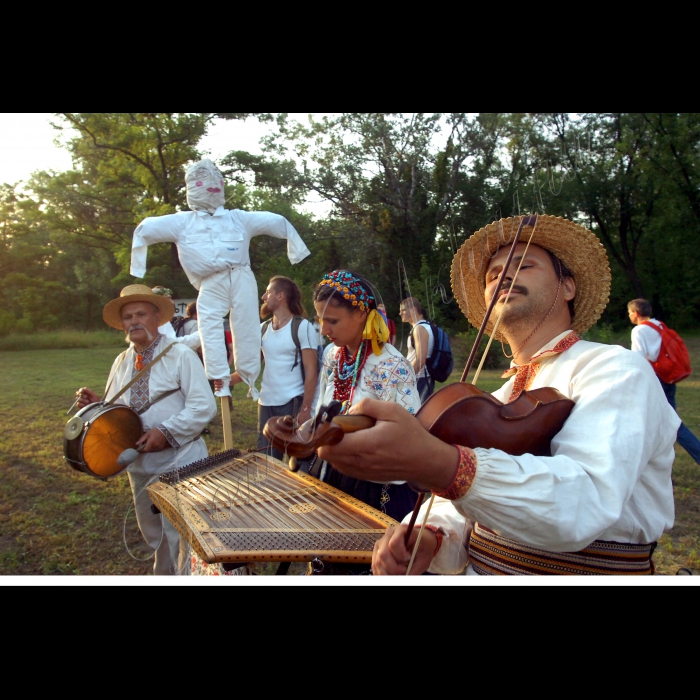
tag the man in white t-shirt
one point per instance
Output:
(290, 375)
(647, 341)
(412, 311)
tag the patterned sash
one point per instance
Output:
(493, 555)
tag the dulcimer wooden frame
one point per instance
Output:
(237, 507)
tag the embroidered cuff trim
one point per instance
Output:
(168, 436)
(466, 471)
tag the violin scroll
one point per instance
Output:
(327, 428)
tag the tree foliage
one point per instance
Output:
(405, 190)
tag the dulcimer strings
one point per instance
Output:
(245, 482)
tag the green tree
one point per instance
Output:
(78, 225)
(394, 180)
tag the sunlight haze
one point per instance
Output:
(27, 146)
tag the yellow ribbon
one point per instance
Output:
(376, 330)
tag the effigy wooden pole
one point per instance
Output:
(226, 420)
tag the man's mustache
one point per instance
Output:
(138, 327)
(516, 288)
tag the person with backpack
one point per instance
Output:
(429, 348)
(289, 351)
(649, 337)
(420, 344)
(188, 324)
(170, 329)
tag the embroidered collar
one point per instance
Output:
(553, 348)
(148, 352)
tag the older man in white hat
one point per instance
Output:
(592, 499)
(174, 401)
(213, 245)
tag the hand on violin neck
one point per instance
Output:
(396, 448)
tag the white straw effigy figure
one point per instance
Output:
(213, 246)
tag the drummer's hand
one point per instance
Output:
(152, 441)
(85, 396)
(397, 448)
(391, 557)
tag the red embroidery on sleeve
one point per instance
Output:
(466, 471)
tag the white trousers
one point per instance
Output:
(171, 551)
(233, 290)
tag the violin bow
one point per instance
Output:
(525, 221)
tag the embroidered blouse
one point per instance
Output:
(387, 377)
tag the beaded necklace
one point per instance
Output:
(347, 369)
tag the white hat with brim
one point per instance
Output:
(137, 292)
(577, 247)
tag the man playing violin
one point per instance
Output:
(600, 500)
(174, 402)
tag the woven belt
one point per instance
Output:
(493, 555)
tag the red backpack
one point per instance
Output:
(673, 363)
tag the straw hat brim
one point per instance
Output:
(577, 247)
(136, 292)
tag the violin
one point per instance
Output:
(459, 413)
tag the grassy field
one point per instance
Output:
(57, 521)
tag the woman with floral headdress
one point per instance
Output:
(361, 364)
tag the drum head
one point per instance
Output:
(112, 431)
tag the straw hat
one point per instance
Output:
(577, 247)
(137, 292)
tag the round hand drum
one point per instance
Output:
(97, 434)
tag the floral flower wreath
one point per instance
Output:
(352, 290)
(162, 291)
(350, 287)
